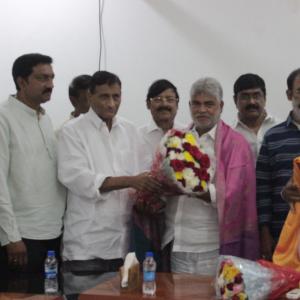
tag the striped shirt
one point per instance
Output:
(274, 167)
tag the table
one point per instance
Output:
(169, 287)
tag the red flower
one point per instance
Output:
(196, 153)
(202, 174)
(178, 133)
(177, 165)
(238, 279)
(187, 146)
(230, 286)
(204, 161)
(189, 164)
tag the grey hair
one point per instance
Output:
(207, 85)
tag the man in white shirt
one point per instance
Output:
(162, 102)
(99, 160)
(32, 201)
(202, 228)
(250, 100)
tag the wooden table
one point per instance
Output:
(169, 286)
(19, 296)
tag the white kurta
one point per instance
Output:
(32, 201)
(96, 224)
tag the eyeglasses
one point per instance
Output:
(160, 99)
(248, 96)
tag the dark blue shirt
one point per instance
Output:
(274, 168)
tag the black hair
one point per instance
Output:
(81, 82)
(249, 81)
(24, 64)
(159, 86)
(103, 77)
(291, 78)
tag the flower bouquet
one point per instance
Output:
(180, 166)
(241, 279)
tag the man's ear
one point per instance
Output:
(289, 94)
(222, 105)
(73, 100)
(21, 82)
(148, 103)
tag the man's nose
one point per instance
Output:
(202, 108)
(50, 83)
(252, 100)
(111, 101)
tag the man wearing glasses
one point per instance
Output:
(162, 101)
(250, 100)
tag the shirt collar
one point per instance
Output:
(211, 133)
(97, 121)
(267, 119)
(22, 106)
(152, 126)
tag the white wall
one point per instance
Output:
(151, 39)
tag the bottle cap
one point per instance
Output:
(51, 253)
(149, 254)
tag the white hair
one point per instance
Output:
(207, 85)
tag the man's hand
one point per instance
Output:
(16, 254)
(145, 182)
(291, 192)
(266, 243)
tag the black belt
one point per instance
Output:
(92, 266)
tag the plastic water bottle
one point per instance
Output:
(51, 284)
(149, 271)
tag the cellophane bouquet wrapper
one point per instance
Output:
(180, 166)
(241, 279)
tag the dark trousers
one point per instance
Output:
(30, 278)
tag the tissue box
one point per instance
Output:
(133, 278)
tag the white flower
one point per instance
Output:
(175, 155)
(191, 180)
(174, 142)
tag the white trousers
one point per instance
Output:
(195, 263)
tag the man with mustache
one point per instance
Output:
(222, 220)
(280, 146)
(32, 201)
(162, 100)
(250, 100)
(99, 161)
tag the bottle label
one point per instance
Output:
(149, 276)
(51, 272)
